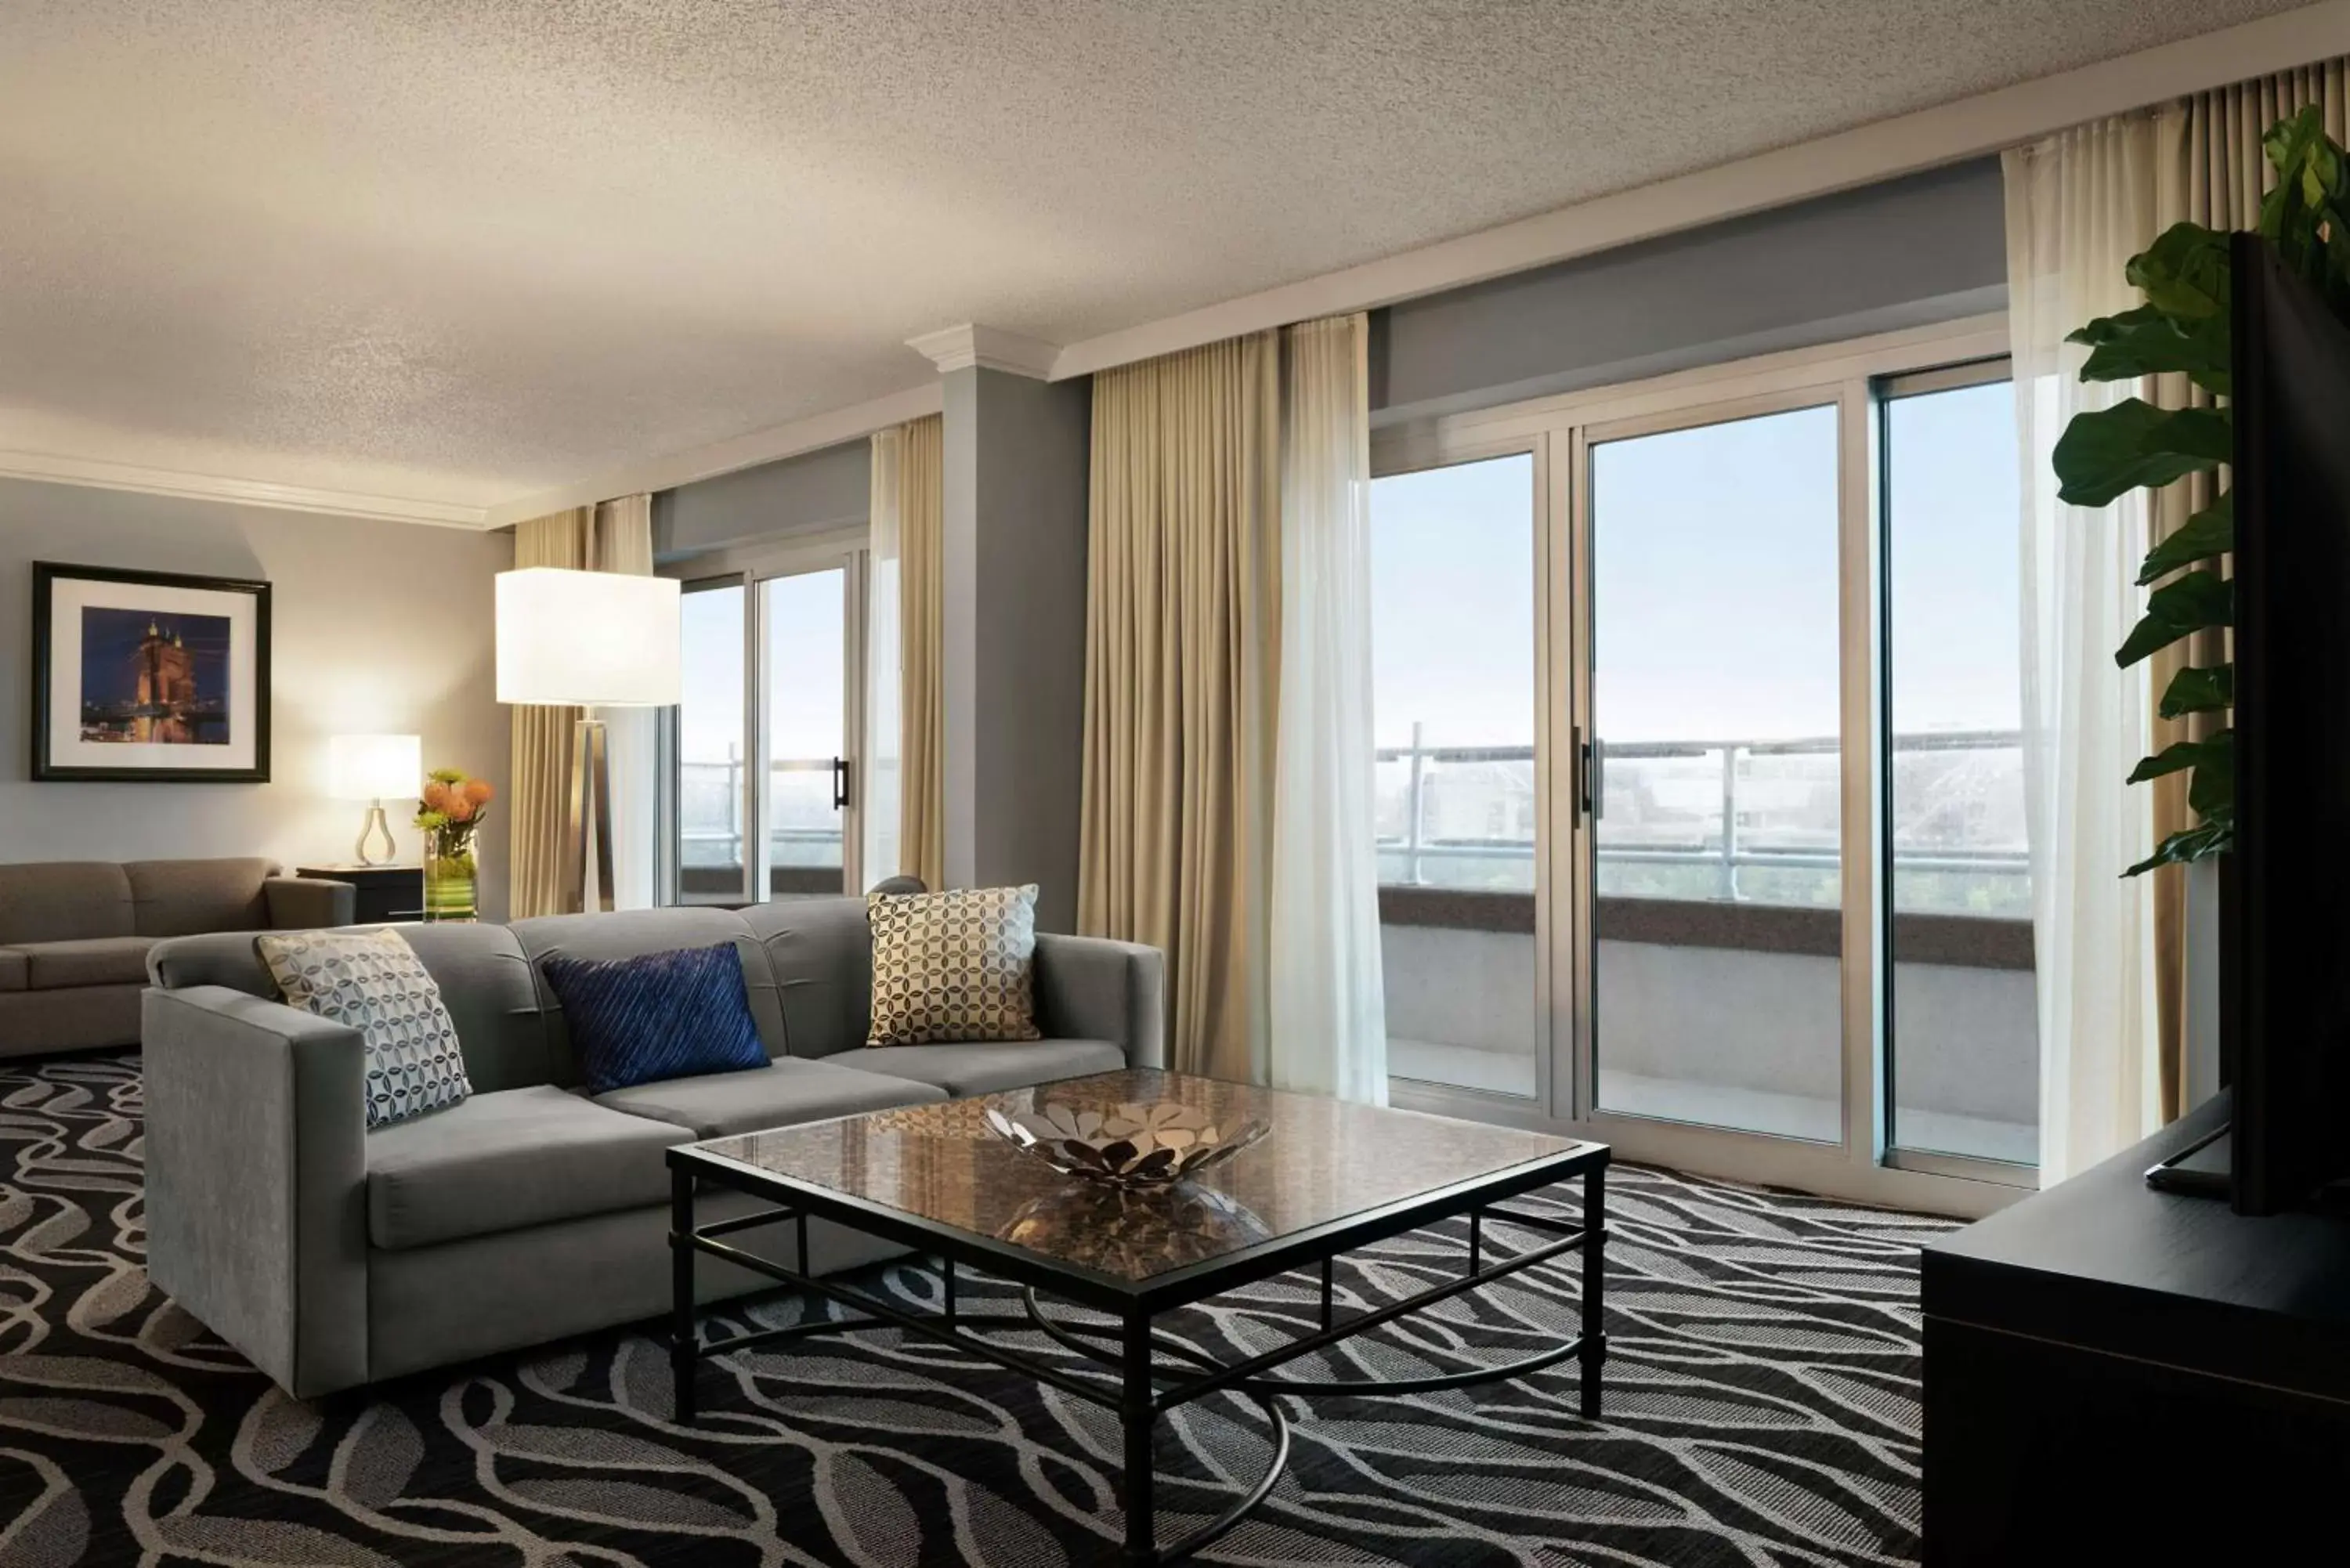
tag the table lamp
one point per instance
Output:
(371, 768)
(586, 640)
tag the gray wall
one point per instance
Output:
(1015, 455)
(804, 494)
(1931, 247)
(376, 626)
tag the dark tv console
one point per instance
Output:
(2118, 1374)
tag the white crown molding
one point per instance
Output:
(810, 434)
(988, 348)
(1970, 128)
(55, 469)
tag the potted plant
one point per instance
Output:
(450, 812)
(2183, 327)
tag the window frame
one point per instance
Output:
(1887, 391)
(1444, 448)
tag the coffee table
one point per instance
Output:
(1329, 1178)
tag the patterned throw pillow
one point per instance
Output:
(656, 1016)
(373, 982)
(959, 965)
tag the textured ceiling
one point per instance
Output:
(460, 252)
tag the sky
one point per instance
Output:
(806, 680)
(1714, 577)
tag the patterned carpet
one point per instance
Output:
(1762, 1408)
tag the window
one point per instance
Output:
(1962, 1040)
(1452, 663)
(807, 683)
(1716, 679)
(712, 748)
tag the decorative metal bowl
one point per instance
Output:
(1132, 1145)
(1135, 1234)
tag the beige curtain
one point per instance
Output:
(614, 537)
(1182, 640)
(2209, 170)
(921, 644)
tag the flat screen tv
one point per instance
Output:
(2285, 914)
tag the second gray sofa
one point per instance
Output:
(334, 1256)
(74, 936)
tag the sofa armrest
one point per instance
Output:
(256, 1179)
(307, 903)
(1091, 987)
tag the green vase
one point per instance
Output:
(448, 878)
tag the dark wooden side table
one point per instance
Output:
(386, 893)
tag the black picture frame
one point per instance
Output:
(237, 595)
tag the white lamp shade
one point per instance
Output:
(586, 640)
(374, 767)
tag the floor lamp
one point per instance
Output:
(586, 641)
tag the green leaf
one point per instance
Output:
(2196, 600)
(2188, 845)
(2177, 757)
(2184, 272)
(2207, 690)
(2211, 791)
(2210, 532)
(2108, 452)
(2150, 342)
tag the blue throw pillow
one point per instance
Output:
(656, 1016)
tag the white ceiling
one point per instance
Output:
(463, 253)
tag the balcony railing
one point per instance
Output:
(1728, 848)
(710, 817)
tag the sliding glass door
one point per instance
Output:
(764, 781)
(1745, 874)
(1712, 772)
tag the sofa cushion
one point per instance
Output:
(180, 898)
(63, 901)
(656, 1016)
(987, 1068)
(93, 961)
(952, 966)
(503, 1160)
(488, 986)
(821, 950)
(372, 982)
(633, 931)
(11, 969)
(782, 1094)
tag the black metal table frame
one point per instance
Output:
(1140, 1399)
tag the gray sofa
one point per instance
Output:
(334, 1256)
(74, 936)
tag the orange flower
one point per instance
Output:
(436, 794)
(478, 791)
(461, 809)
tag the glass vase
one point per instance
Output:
(449, 876)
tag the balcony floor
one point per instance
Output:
(1805, 1116)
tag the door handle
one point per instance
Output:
(1591, 775)
(840, 784)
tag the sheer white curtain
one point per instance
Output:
(2079, 206)
(884, 685)
(1327, 1009)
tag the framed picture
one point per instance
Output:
(149, 677)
